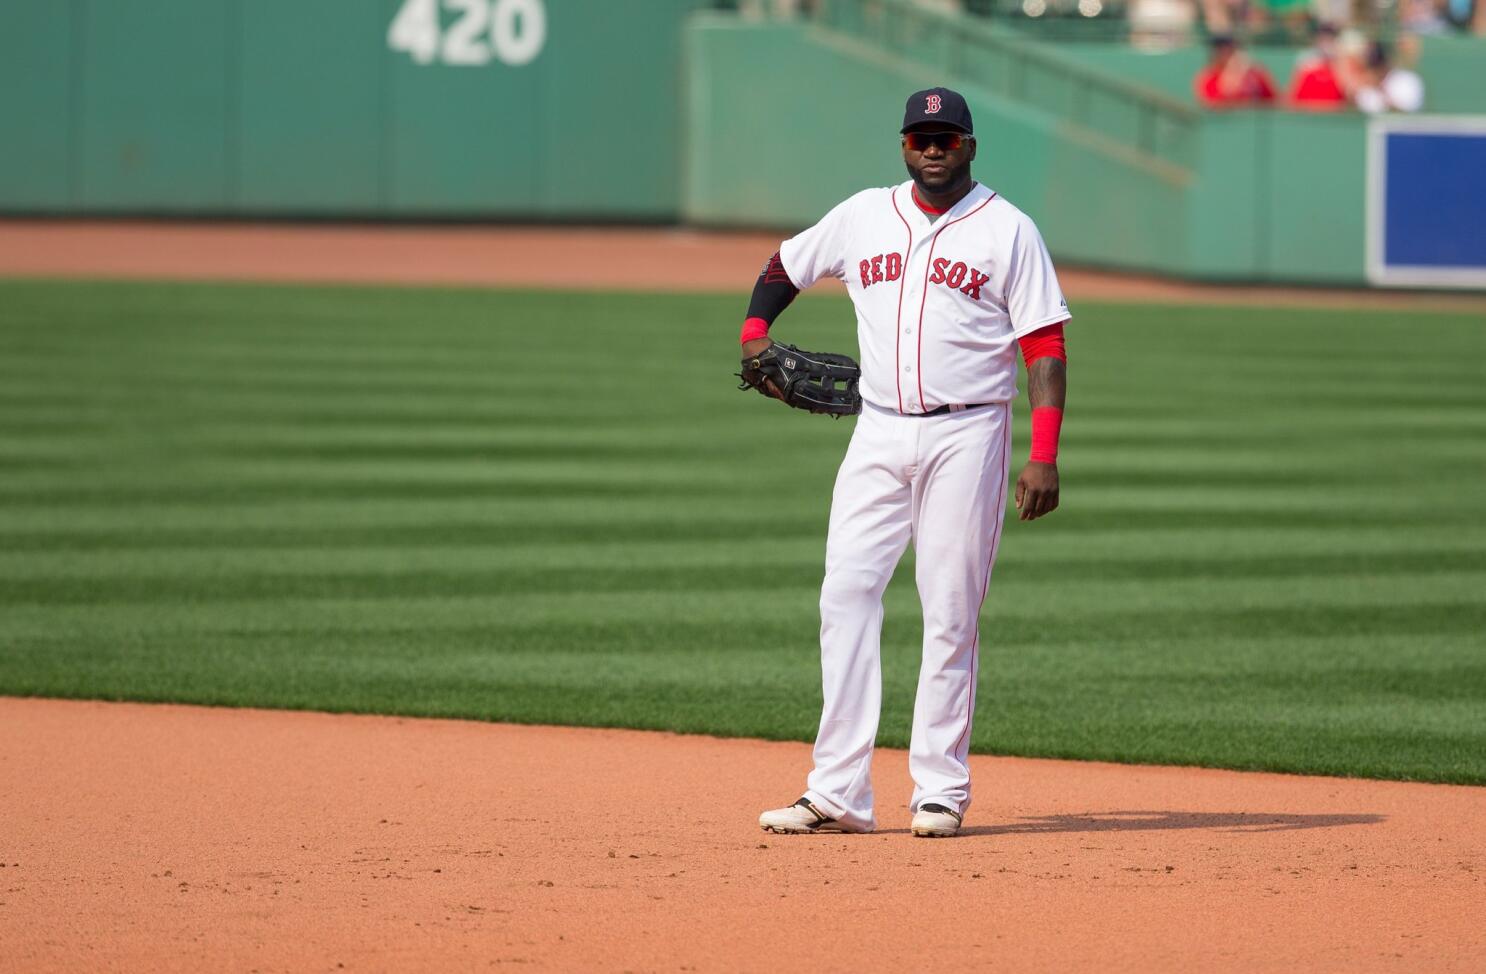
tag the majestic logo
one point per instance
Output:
(933, 106)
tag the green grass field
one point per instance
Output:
(555, 508)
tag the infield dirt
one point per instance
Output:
(138, 837)
(176, 838)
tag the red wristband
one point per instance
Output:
(1047, 423)
(753, 328)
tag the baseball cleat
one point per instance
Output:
(935, 822)
(798, 818)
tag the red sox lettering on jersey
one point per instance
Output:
(939, 303)
(887, 267)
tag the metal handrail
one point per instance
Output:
(1154, 124)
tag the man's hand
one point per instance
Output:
(753, 348)
(1037, 490)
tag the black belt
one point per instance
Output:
(947, 408)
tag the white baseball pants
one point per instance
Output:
(941, 481)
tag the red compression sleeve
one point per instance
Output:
(1047, 421)
(1044, 342)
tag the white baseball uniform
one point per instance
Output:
(940, 303)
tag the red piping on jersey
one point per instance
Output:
(999, 513)
(929, 263)
(902, 280)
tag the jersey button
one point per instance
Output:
(907, 368)
(907, 331)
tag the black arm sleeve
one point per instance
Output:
(772, 293)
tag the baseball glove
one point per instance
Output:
(818, 382)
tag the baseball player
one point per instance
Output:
(948, 280)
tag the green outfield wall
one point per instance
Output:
(552, 109)
(1235, 196)
(806, 161)
(663, 111)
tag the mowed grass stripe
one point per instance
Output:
(570, 538)
(1109, 420)
(396, 574)
(469, 503)
(1204, 609)
(566, 520)
(273, 481)
(430, 634)
(1111, 440)
(440, 545)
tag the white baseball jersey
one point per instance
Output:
(939, 304)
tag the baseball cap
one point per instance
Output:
(937, 105)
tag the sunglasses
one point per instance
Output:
(948, 141)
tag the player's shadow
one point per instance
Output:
(1161, 821)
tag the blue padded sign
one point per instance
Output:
(1426, 201)
(1436, 200)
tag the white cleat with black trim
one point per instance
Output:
(933, 821)
(799, 818)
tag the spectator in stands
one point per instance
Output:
(1231, 79)
(1337, 13)
(1314, 86)
(1387, 88)
(1406, 51)
(1247, 17)
(1160, 25)
(1323, 45)
(1294, 15)
(1422, 17)
(762, 9)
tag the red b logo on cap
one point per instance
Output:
(933, 106)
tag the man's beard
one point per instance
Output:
(958, 178)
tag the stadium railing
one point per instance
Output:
(1137, 117)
